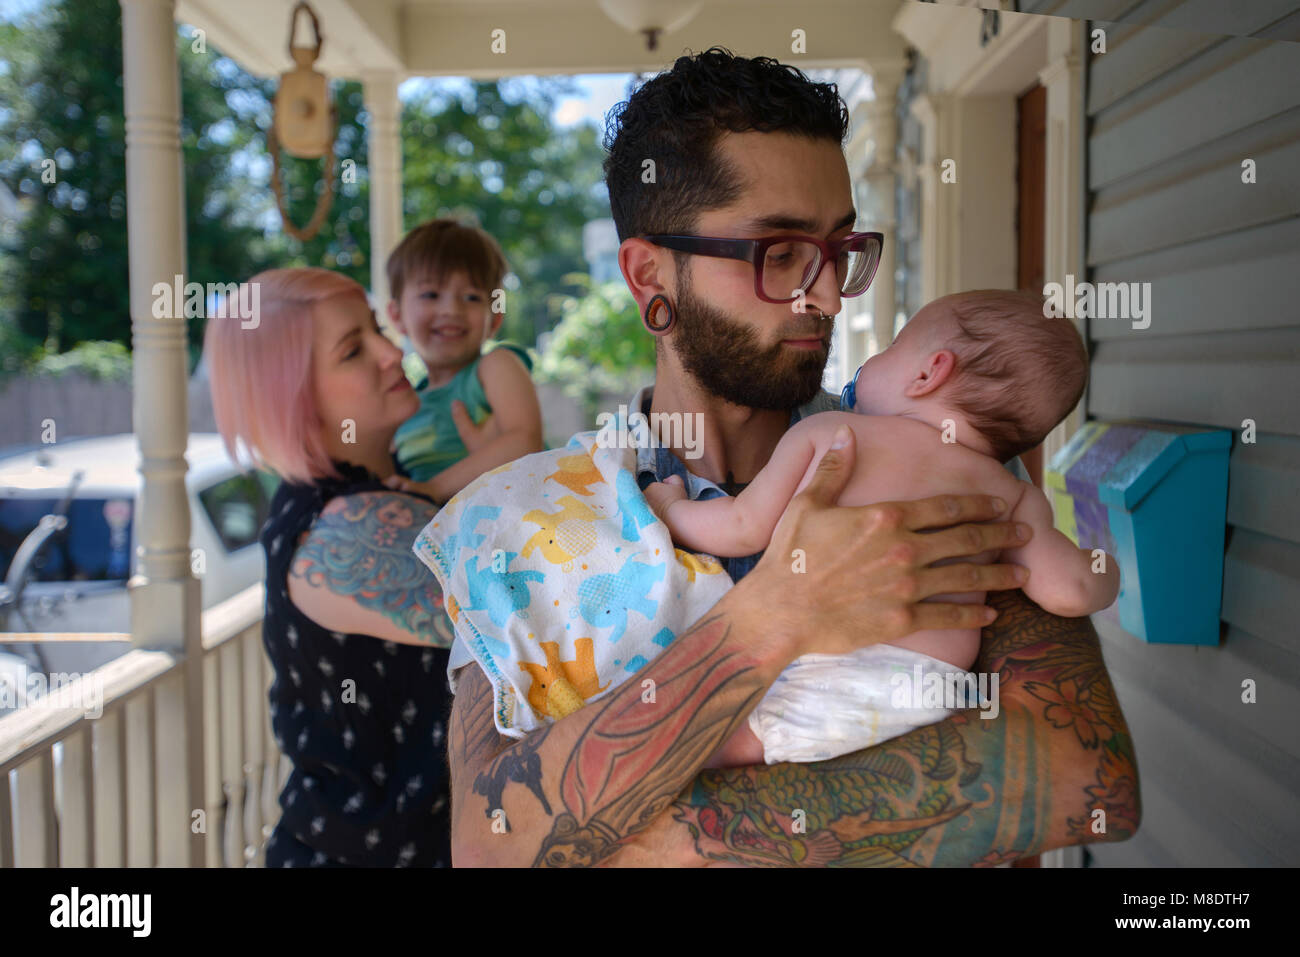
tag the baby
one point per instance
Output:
(443, 278)
(972, 381)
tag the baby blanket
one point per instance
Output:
(560, 579)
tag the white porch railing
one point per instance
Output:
(109, 793)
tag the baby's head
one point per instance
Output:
(442, 277)
(990, 356)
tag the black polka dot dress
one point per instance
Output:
(362, 719)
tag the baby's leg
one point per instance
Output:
(958, 647)
(741, 749)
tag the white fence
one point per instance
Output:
(82, 791)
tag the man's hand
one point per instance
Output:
(848, 577)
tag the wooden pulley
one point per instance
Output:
(304, 124)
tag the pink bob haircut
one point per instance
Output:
(262, 389)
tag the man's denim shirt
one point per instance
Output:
(656, 464)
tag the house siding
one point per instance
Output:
(1171, 116)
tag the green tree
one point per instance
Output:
(599, 346)
(491, 151)
(63, 87)
(491, 154)
(63, 122)
(66, 262)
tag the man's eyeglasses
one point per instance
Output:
(787, 266)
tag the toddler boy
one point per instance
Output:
(443, 277)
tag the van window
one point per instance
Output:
(237, 508)
(95, 545)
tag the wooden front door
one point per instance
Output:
(1031, 213)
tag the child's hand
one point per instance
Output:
(474, 436)
(399, 483)
(660, 495)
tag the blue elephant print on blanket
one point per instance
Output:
(499, 593)
(465, 536)
(557, 566)
(605, 600)
(632, 504)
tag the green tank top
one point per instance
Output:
(428, 442)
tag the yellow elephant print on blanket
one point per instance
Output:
(562, 687)
(576, 472)
(564, 535)
(697, 564)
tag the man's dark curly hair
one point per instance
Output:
(677, 118)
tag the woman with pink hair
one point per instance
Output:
(354, 626)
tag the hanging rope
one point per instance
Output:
(323, 202)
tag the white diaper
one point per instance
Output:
(822, 706)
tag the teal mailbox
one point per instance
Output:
(1156, 498)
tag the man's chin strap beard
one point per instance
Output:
(725, 359)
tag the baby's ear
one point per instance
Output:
(937, 369)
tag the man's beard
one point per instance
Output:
(726, 359)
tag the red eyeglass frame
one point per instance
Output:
(753, 252)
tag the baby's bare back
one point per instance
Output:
(900, 459)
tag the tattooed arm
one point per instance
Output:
(1056, 767)
(580, 790)
(354, 571)
(570, 793)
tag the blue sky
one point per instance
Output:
(599, 94)
(10, 9)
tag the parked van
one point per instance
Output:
(76, 582)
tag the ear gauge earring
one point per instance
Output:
(650, 318)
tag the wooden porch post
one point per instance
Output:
(385, 162)
(164, 756)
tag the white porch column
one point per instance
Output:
(968, 193)
(385, 162)
(165, 596)
(850, 335)
(1063, 241)
(938, 206)
(881, 189)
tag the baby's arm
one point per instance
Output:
(742, 525)
(1061, 579)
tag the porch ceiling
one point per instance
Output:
(453, 37)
